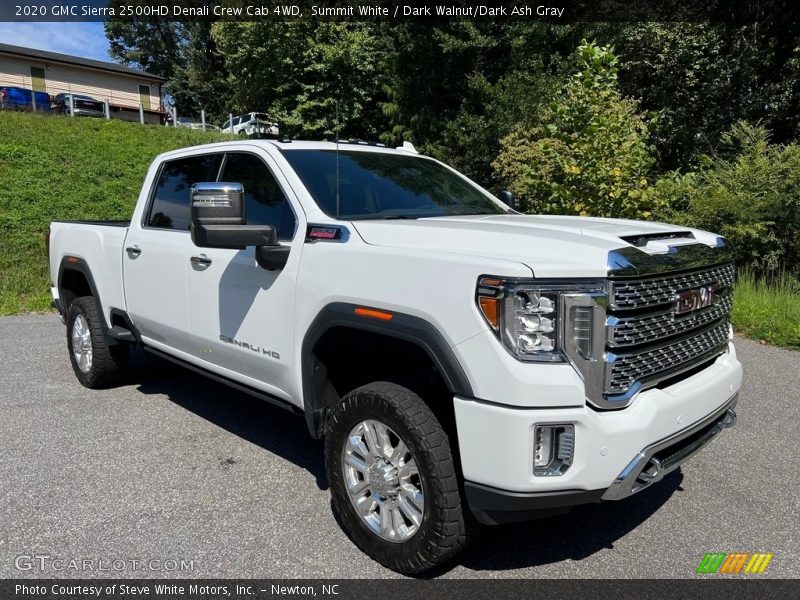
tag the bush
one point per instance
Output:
(749, 192)
(588, 153)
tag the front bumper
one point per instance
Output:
(492, 506)
(614, 450)
(656, 461)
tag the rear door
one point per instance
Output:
(157, 253)
(241, 315)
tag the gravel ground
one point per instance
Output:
(174, 466)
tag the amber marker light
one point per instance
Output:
(371, 313)
(489, 293)
(489, 310)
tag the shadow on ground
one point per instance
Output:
(585, 530)
(274, 429)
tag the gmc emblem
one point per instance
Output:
(691, 300)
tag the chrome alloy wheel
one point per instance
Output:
(82, 343)
(383, 481)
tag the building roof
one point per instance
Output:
(45, 56)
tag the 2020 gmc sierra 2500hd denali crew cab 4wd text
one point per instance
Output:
(462, 361)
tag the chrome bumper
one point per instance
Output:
(657, 460)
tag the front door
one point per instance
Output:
(157, 253)
(241, 315)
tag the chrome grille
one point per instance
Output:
(624, 370)
(630, 331)
(646, 341)
(643, 293)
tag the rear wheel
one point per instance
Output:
(393, 478)
(95, 362)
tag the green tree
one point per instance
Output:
(304, 72)
(439, 73)
(495, 103)
(203, 77)
(587, 152)
(153, 46)
(701, 78)
(184, 53)
(749, 192)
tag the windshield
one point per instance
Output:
(377, 185)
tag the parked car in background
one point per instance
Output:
(191, 123)
(251, 124)
(182, 122)
(15, 98)
(81, 106)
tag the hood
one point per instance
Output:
(551, 246)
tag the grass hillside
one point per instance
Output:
(55, 168)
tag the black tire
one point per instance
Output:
(109, 363)
(442, 533)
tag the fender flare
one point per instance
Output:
(74, 263)
(402, 326)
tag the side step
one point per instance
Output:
(123, 335)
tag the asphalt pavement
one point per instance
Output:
(172, 475)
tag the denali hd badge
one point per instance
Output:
(691, 300)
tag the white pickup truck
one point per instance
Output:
(462, 361)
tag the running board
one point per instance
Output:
(123, 335)
(250, 391)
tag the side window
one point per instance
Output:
(170, 205)
(265, 203)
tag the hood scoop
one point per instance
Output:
(661, 242)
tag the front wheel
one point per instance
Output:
(393, 478)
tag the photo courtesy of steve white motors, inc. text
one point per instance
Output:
(120, 589)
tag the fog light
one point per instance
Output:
(554, 447)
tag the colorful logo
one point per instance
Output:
(734, 563)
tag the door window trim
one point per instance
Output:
(277, 181)
(152, 195)
(154, 186)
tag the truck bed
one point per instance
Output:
(97, 245)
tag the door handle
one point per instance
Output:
(133, 251)
(200, 261)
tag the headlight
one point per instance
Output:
(527, 315)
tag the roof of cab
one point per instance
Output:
(343, 145)
(288, 145)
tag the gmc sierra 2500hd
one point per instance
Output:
(460, 359)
